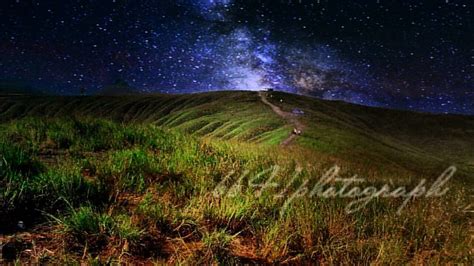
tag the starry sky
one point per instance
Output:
(415, 55)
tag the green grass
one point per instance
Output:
(170, 179)
(85, 221)
(207, 114)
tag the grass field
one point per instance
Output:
(180, 179)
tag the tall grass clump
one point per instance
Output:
(17, 169)
(86, 221)
(66, 183)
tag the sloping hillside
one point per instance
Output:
(422, 143)
(375, 135)
(182, 179)
(222, 114)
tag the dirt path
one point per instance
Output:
(290, 117)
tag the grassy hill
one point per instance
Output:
(357, 134)
(150, 179)
(222, 114)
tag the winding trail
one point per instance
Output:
(290, 117)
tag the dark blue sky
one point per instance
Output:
(415, 55)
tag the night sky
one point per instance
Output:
(415, 55)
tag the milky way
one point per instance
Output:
(413, 55)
